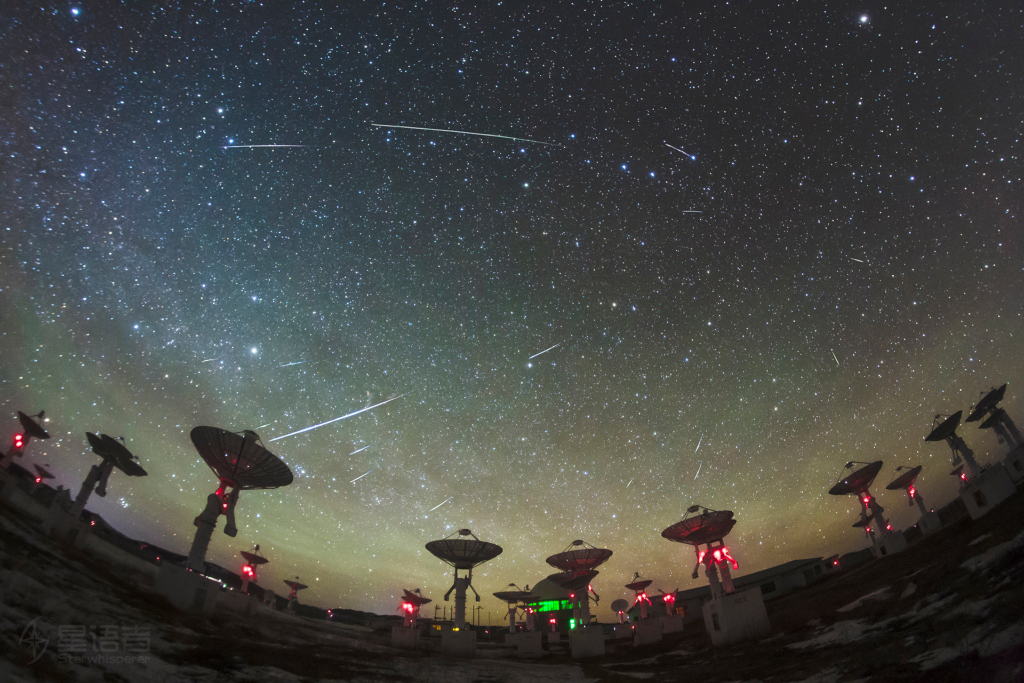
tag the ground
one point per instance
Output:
(951, 608)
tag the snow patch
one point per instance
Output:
(993, 554)
(880, 594)
(909, 590)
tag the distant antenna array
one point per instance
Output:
(31, 429)
(517, 601)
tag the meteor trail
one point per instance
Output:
(361, 449)
(209, 359)
(682, 151)
(834, 356)
(690, 211)
(255, 146)
(298, 362)
(356, 412)
(630, 482)
(544, 351)
(698, 470)
(439, 504)
(698, 444)
(856, 259)
(361, 476)
(467, 132)
(266, 425)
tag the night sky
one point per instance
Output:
(834, 257)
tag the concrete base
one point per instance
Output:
(528, 644)
(736, 617)
(553, 638)
(622, 632)
(188, 591)
(672, 623)
(1014, 464)
(238, 602)
(8, 482)
(405, 638)
(891, 543)
(587, 642)
(647, 632)
(987, 490)
(458, 644)
(929, 523)
(61, 525)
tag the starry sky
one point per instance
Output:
(763, 240)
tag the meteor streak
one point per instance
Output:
(544, 351)
(467, 132)
(298, 362)
(439, 504)
(209, 359)
(698, 444)
(856, 259)
(630, 482)
(834, 356)
(361, 449)
(256, 146)
(698, 470)
(361, 476)
(266, 425)
(355, 412)
(682, 151)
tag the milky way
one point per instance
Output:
(858, 182)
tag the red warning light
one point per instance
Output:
(551, 621)
(39, 480)
(963, 476)
(19, 441)
(408, 607)
(247, 570)
(92, 523)
(911, 490)
(835, 563)
(669, 597)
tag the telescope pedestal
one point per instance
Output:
(1014, 463)
(671, 623)
(929, 523)
(888, 543)
(461, 643)
(405, 638)
(622, 631)
(647, 631)
(735, 617)
(986, 490)
(528, 644)
(587, 642)
(186, 590)
(205, 524)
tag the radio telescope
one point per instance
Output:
(293, 597)
(857, 483)
(30, 429)
(639, 586)
(253, 560)
(906, 481)
(411, 603)
(997, 419)
(946, 431)
(465, 554)
(113, 454)
(240, 463)
(42, 474)
(619, 607)
(578, 563)
(513, 598)
(703, 526)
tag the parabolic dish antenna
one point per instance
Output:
(295, 585)
(42, 473)
(32, 427)
(857, 482)
(987, 403)
(463, 553)
(112, 450)
(905, 480)
(414, 597)
(946, 429)
(620, 605)
(584, 558)
(253, 558)
(704, 528)
(639, 585)
(515, 596)
(572, 581)
(239, 459)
